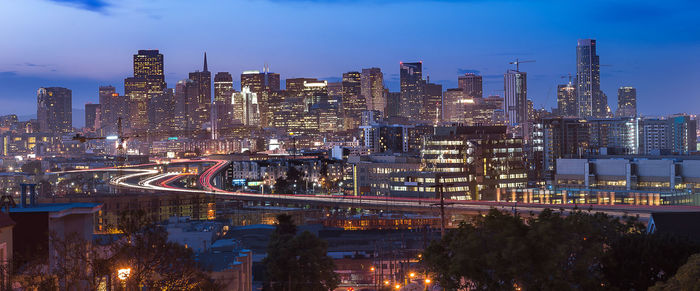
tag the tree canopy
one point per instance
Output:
(298, 262)
(553, 251)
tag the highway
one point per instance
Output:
(148, 178)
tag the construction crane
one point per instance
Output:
(517, 63)
(121, 150)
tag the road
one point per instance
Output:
(149, 178)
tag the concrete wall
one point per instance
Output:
(654, 168)
(571, 166)
(610, 167)
(690, 169)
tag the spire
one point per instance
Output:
(205, 62)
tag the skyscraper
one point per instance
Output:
(472, 85)
(432, 105)
(223, 84)
(515, 91)
(54, 111)
(148, 80)
(412, 90)
(92, 116)
(372, 82)
(591, 101)
(353, 101)
(200, 112)
(393, 104)
(627, 101)
(186, 93)
(295, 86)
(161, 109)
(245, 107)
(112, 107)
(566, 100)
(262, 83)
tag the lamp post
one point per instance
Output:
(123, 275)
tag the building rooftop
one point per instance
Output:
(59, 209)
(685, 224)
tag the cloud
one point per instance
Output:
(90, 5)
(468, 71)
(8, 74)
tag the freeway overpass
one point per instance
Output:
(153, 178)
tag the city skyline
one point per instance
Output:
(629, 54)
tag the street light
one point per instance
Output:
(397, 286)
(386, 282)
(427, 281)
(123, 274)
(412, 274)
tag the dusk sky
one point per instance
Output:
(651, 45)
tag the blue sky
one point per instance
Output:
(653, 46)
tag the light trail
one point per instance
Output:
(152, 177)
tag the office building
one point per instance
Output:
(372, 80)
(246, 107)
(515, 92)
(431, 110)
(626, 102)
(262, 83)
(471, 84)
(92, 116)
(161, 112)
(200, 109)
(223, 85)
(567, 100)
(148, 80)
(353, 101)
(663, 136)
(591, 101)
(54, 110)
(393, 104)
(112, 108)
(412, 90)
(295, 86)
(471, 162)
(314, 92)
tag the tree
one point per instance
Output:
(153, 260)
(553, 251)
(298, 262)
(687, 277)
(292, 182)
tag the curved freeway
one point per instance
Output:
(154, 180)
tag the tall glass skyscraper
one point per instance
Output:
(591, 101)
(412, 90)
(515, 91)
(54, 111)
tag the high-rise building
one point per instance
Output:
(112, 107)
(372, 81)
(515, 92)
(393, 104)
(295, 86)
(245, 107)
(223, 84)
(566, 100)
(54, 111)
(161, 109)
(412, 90)
(92, 116)
(201, 110)
(262, 83)
(315, 92)
(591, 101)
(186, 93)
(148, 80)
(626, 101)
(431, 110)
(471, 84)
(453, 106)
(353, 101)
